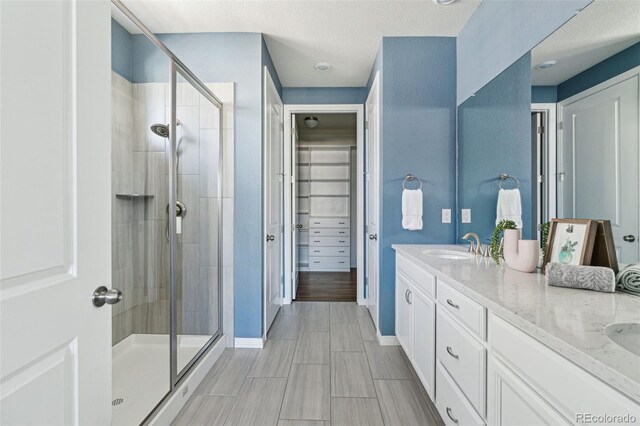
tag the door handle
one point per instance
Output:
(299, 226)
(373, 237)
(271, 237)
(103, 295)
(629, 238)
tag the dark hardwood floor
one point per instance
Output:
(327, 286)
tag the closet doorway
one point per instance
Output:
(323, 203)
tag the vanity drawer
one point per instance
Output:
(470, 313)
(328, 222)
(563, 384)
(453, 407)
(329, 251)
(328, 241)
(329, 232)
(420, 278)
(464, 358)
(329, 262)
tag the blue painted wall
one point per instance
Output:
(500, 32)
(418, 133)
(324, 95)
(121, 51)
(494, 136)
(603, 71)
(544, 94)
(238, 58)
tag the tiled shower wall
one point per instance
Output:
(140, 246)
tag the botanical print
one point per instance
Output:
(568, 243)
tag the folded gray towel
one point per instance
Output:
(629, 278)
(595, 278)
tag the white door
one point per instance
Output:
(372, 203)
(295, 235)
(599, 160)
(273, 153)
(403, 315)
(55, 347)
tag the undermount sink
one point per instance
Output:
(448, 254)
(626, 335)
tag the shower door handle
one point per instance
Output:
(103, 295)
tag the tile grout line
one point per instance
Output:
(289, 374)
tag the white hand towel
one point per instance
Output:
(509, 206)
(412, 209)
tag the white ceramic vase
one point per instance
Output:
(521, 255)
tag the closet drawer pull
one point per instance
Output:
(450, 303)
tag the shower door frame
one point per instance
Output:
(179, 68)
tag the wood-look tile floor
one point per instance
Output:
(327, 286)
(321, 366)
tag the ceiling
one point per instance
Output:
(340, 122)
(301, 33)
(601, 30)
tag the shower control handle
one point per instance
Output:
(103, 295)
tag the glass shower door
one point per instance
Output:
(198, 221)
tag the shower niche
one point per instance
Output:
(166, 221)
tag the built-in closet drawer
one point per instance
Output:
(328, 222)
(452, 405)
(329, 251)
(421, 278)
(329, 241)
(326, 206)
(329, 262)
(470, 313)
(464, 357)
(329, 232)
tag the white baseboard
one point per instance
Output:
(174, 404)
(249, 342)
(388, 340)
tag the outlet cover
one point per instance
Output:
(446, 215)
(466, 216)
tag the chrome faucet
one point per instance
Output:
(478, 246)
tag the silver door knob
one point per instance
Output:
(373, 237)
(299, 226)
(629, 238)
(271, 237)
(103, 295)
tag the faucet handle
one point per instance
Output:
(471, 247)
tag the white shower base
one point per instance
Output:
(141, 372)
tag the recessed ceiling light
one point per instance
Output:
(322, 66)
(443, 2)
(546, 64)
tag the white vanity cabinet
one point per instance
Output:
(415, 319)
(480, 369)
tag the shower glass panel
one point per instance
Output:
(140, 250)
(198, 225)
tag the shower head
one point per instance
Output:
(162, 129)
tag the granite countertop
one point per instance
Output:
(570, 321)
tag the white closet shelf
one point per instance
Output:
(329, 195)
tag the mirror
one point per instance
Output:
(562, 122)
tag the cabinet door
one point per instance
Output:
(423, 358)
(403, 314)
(512, 403)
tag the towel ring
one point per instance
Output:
(504, 177)
(410, 178)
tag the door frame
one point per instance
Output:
(357, 109)
(550, 171)
(268, 84)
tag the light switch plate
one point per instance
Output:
(446, 215)
(466, 216)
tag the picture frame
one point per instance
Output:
(570, 241)
(604, 249)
